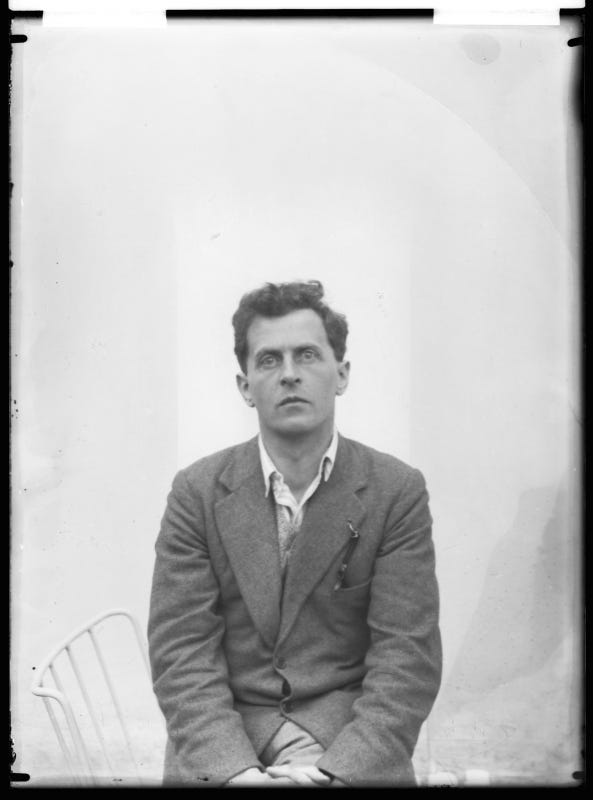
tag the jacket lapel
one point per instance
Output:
(324, 532)
(246, 522)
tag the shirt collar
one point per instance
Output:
(326, 464)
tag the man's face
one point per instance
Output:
(293, 376)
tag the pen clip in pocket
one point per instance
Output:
(352, 542)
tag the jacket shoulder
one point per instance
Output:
(209, 468)
(382, 465)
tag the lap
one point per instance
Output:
(291, 744)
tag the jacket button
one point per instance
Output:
(280, 662)
(287, 706)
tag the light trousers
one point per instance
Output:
(291, 744)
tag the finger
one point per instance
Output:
(268, 779)
(289, 771)
(280, 781)
(296, 774)
(316, 774)
(319, 778)
(299, 779)
(279, 769)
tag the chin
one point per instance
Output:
(295, 428)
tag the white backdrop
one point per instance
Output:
(429, 177)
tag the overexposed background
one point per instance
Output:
(429, 176)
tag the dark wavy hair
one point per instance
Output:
(278, 299)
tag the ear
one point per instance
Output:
(343, 377)
(243, 387)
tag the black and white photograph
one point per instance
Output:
(295, 391)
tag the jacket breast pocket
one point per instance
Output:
(345, 611)
(357, 593)
(347, 606)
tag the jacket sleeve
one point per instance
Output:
(189, 670)
(404, 657)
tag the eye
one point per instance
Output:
(308, 355)
(267, 361)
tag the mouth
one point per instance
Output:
(292, 400)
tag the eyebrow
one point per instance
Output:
(271, 351)
(301, 348)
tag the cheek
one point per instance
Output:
(261, 390)
(327, 387)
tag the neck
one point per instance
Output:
(298, 457)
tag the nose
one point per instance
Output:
(289, 375)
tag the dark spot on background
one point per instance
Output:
(480, 48)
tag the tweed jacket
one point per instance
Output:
(235, 649)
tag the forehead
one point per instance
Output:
(296, 328)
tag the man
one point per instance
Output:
(294, 614)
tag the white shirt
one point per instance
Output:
(289, 512)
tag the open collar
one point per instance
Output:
(326, 464)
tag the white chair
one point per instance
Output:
(100, 729)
